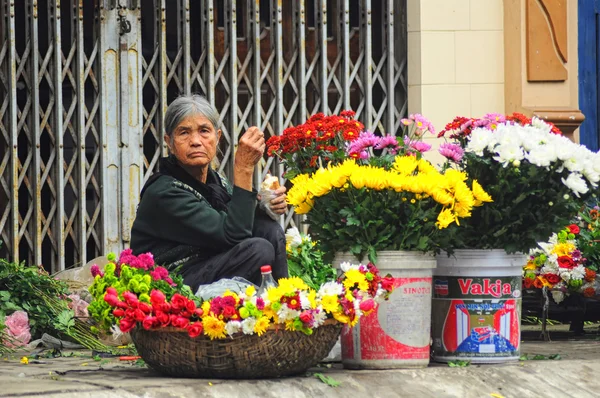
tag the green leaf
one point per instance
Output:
(458, 364)
(330, 381)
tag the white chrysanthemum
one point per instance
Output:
(285, 313)
(330, 289)
(380, 295)
(575, 183)
(541, 155)
(590, 173)
(319, 317)
(233, 327)
(565, 274)
(558, 296)
(578, 272)
(549, 268)
(479, 140)
(293, 237)
(576, 162)
(346, 266)
(508, 153)
(541, 125)
(304, 302)
(248, 325)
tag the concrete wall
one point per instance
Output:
(455, 60)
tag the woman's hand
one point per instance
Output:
(250, 150)
(278, 204)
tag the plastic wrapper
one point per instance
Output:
(267, 193)
(236, 284)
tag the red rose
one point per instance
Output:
(194, 329)
(111, 299)
(566, 262)
(149, 322)
(528, 282)
(163, 318)
(185, 314)
(139, 315)
(199, 312)
(122, 304)
(145, 308)
(130, 313)
(165, 307)
(387, 283)
(126, 324)
(306, 317)
(178, 302)
(157, 297)
(367, 305)
(118, 312)
(190, 306)
(228, 312)
(130, 298)
(112, 291)
(180, 322)
(574, 229)
(552, 278)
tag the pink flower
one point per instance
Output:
(95, 270)
(451, 151)
(145, 260)
(260, 303)
(367, 305)
(157, 297)
(422, 124)
(390, 142)
(365, 140)
(159, 273)
(17, 325)
(418, 146)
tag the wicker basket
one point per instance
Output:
(274, 354)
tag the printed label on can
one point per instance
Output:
(476, 317)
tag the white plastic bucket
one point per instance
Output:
(476, 311)
(397, 334)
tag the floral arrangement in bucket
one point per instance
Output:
(537, 178)
(126, 296)
(387, 196)
(568, 262)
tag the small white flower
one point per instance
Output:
(578, 272)
(304, 302)
(285, 313)
(346, 266)
(550, 204)
(575, 183)
(319, 317)
(330, 289)
(248, 325)
(516, 163)
(233, 327)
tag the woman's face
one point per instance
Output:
(194, 141)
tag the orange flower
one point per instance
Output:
(528, 282)
(538, 284)
(589, 275)
(589, 292)
(594, 214)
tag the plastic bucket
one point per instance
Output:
(397, 334)
(476, 314)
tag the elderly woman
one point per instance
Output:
(192, 219)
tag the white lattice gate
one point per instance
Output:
(84, 85)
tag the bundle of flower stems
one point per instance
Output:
(79, 331)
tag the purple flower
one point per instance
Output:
(418, 146)
(451, 151)
(390, 142)
(495, 118)
(365, 140)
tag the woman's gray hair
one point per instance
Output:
(187, 105)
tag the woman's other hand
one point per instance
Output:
(278, 204)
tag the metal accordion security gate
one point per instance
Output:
(84, 85)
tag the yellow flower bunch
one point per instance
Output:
(408, 174)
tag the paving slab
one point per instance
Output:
(574, 375)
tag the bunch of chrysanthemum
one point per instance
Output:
(294, 304)
(320, 139)
(537, 177)
(356, 293)
(305, 259)
(560, 266)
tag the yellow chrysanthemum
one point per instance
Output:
(213, 327)
(320, 183)
(354, 277)
(312, 298)
(304, 207)
(270, 314)
(563, 249)
(425, 166)
(291, 284)
(445, 218)
(205, 307)
(274, 294)
(405, 165)
(261, 325)
(480, 195)
(330, 304)
(289, 325)
(349, 296)
(442, 196)
(341, 317)
(250, 290)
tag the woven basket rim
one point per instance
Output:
(272, 327)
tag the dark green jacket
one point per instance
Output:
(179, 218)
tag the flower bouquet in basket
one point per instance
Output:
(134, 292)
(364, 193)
(568, 262)
(538, 179)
